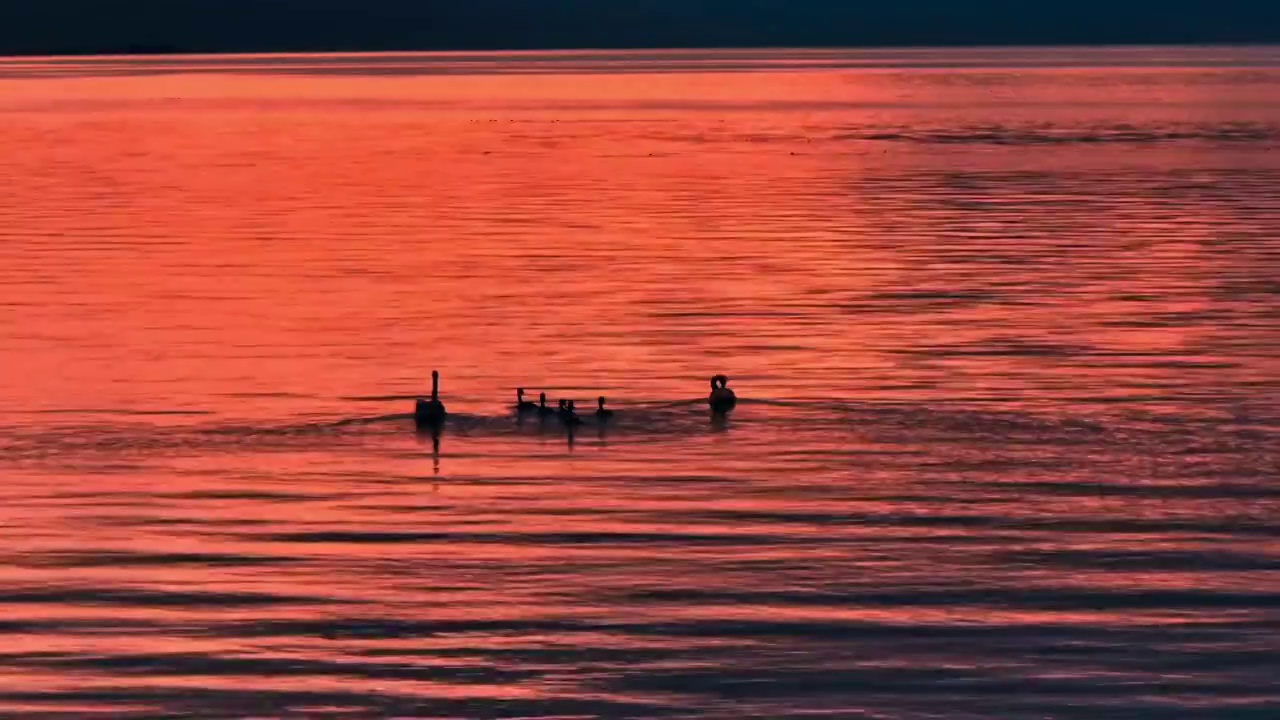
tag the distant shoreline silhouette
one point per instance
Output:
(146, 27)
(161, 50)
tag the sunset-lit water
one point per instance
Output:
(1006, 327)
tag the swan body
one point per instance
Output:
(603, 414)
(567, 414)
(721, 399)
(543, 410)
(522, 405)
(430, 413)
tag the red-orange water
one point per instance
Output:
(1004, 324)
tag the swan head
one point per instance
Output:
(719, 381)
(520, 393)
(600, 401)
(542, 399)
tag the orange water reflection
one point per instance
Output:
(1006, 338)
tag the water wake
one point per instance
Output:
(839, 422)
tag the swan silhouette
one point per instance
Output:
(522, 405)
(430, 413)
(602, 413)
(568, 415)
(721, 399)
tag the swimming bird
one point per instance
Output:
(522, 405)
(722, 399)
(567, 414)
(430, 413)
(603, 414)
(543, 410)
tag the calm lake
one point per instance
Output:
(1004, 326)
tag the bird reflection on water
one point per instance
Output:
(433, 434)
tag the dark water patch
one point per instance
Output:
(189, 702)
(783, 518)
(98, 496)
(1031, 136)
(1198, 660)
(160, 665)
(151, 598)
(1037, 464)
(1073, 524)
(1169, 491)
(388, 628)
(1037, 598)
(524, 538)
(825, 455)
(577, 654)
(851, 681)
(106, 559)
(1182, 703)
(664, 479)
(252, 495)
(195, 523)
(1162, 363)
(1136, 633)
(1199, 561)
(82, 626)
(1020, 635)
(412, 509)
(934, 298)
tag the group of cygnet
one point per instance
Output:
(431, 412)
(565, 411)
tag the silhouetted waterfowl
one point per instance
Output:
(430, 413)
(722, 399)
(543, 410)
(602, 413)
(567, 414)
(522, 405)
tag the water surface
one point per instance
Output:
(1005, 325)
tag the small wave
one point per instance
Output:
(1029, 136)
(265, 395)
(169, 664)
(110, 559)
(539, 539)
(1049, 598)
(120, 411)
(125, 697)
(130, 597)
